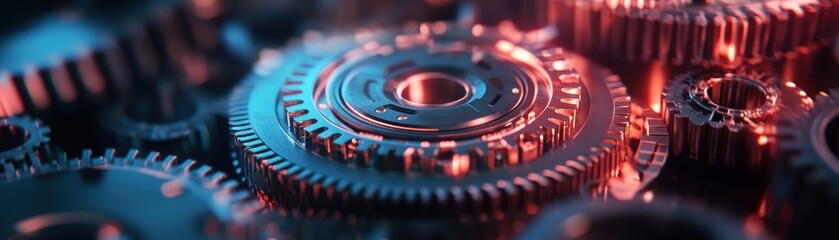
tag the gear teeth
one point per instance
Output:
(88, 67)
(227, 202)
(29, 145)
(740, 137)
(190, 132)
(374, 176)
(805, 182)
(685, 33)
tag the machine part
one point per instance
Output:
(524, 14)
(123, 197)
(696, 32)
(654, 219)
(171, 120)
(725, 116)
(380, 138)
(803, 194)
(23, 142)
(88, 54)
(649, 149)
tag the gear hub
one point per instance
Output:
(436, 115)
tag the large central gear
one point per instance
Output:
(427, 121)
(394, 106)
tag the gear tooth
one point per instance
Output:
(378, 171)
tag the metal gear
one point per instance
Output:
(88, 54)
(324, 145)
(696, 32)
(648, 149)
(172, 120)
(805, 185)
(128, 196)
(22, 142)
(725, 116)
(633, 220)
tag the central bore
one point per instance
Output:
(432, 89)
(736, 93)
(11, 137)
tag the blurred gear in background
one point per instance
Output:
(418, 119)
(122, 197)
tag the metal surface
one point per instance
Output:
(725, 116)
(98, 197)
(274, 156)
(696, 32)
(23, 143)
(656, 219)
(804, 189)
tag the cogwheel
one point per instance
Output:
(648, 146)
(725, 116)
(805, 187)
(124, 197)
(429, 121)
(23, 141)
(657, 219)
(696, 32)
(172, 120)
(524, 14)
(87, 54)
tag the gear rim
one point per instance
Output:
(333, 186)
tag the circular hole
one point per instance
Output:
(831, 135)
(736, 93)
(11, 137)
(432, 89)
(643, 227)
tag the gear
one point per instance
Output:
(88, 54)
(126, 196)
(725, 116)
(172, 120)
(649, 149)
(633, 220)
(345, 133)
(696, 32)
(805, 185)
(22, 142)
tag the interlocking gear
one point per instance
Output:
(805, 185)
(725, 116)
(333, 128)
(23, 143)
(658, 219)
(84, 54)
(696, 32)
(129, 196)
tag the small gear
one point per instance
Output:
(22, 142)
(172, 120)
(725, 116)
(696, 32)
(85, 53)
(399, 122)
(805, 185)
(130, 196)
(634, 220)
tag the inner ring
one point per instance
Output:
(432, 89)
(825, 139)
